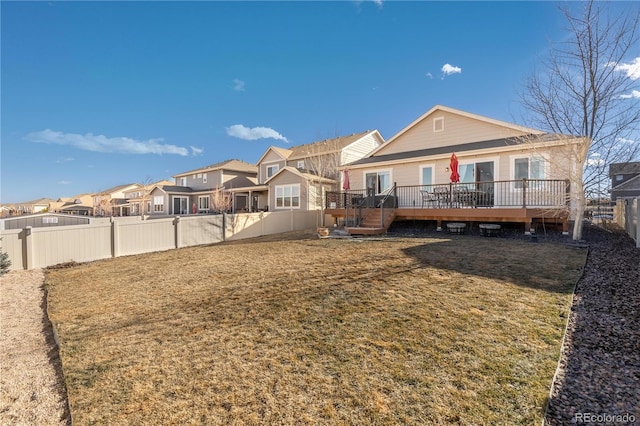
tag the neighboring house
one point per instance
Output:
(625, 180)
(297, 177)
(138, 200)
(81, 204)
(494, 159)
(204, 190)
(112, 201)
(28, 207)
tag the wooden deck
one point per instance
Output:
(527, 216)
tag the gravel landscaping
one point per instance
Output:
(598, 379)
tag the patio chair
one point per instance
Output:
(442, 195)
(429, 198)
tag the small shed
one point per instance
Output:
(43, 220)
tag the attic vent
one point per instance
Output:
(438, 124)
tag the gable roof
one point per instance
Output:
(303, 175)
(117, 188)
(442, 108)
(326, 146)
(233, 165)
(322, 147)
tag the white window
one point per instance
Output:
(148, 207)
(183, 181)
(199, 176)
(619, 177)
(203, 203)
(49, 219)
(204, 178)
(528, 168)
(438, 124)
(380, 181)
(158, 203)
(300, 164)
(426, 176)
(288, 196)
(271, 170)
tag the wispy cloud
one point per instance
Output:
(101, 143)
(635, 94)
(64, 182)
(448, 69)
(254, 133)
(429, 75)
(64, 160)
(378, 3)
(595, 160)
(632, 69)
(238, 85)
(195, 150)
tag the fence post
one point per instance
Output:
(28, 248)
(115, 237)
(176, 225)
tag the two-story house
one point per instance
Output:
(298, 177)
(625, 180)
(204, 190)
(112, 201)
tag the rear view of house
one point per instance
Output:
(505, 172)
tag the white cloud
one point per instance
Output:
(448, 69)
(238, 85)
(64, 182)
(195, 150)
(254, 133)
(632, 70)
(635, 94)
(429, 75)
(595, 160)
(64, 160)
(625, 140)
(378, 3)
(101, 143)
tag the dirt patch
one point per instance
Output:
(31, 386)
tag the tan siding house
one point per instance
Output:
(501, 165)
(307, 171)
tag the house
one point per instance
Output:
(138, 200)
(81, 204)
(112, 201)
(204, 190)
(28, 207)
(298, 176)
(625, 180)
(507, 173)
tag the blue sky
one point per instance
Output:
(97, 94)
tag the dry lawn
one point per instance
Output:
(307, 331)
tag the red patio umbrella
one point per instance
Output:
(453, 165)
(346, 185)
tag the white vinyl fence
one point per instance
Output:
(34, 247)
(627, 215)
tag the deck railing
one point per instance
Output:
(523, 193)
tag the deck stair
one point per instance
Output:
(373, 223)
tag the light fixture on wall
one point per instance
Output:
(446, 169)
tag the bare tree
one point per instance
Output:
(221, 200)
(144, 199)
(586, 87)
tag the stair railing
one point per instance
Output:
(390, 191)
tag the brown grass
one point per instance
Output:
(395, 331)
